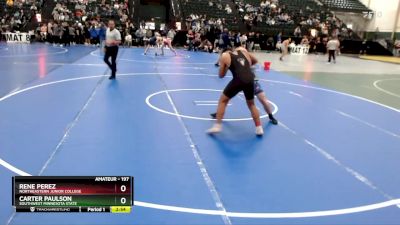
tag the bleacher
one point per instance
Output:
(308, 7)
(201, 7)
(10, 10)
(298, 10)
(346, 5)
(93, 9)
(4, 8)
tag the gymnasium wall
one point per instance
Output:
(385, 14)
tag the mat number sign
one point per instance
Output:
(17, 37)
(300, 50)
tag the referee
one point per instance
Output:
(113, 39)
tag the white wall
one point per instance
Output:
(385, 14)
(398, 23)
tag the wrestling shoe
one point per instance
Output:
(216, 128)
(259, 131)
(213, 115)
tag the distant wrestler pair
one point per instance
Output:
(159, 42)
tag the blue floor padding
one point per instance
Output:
(88, 125)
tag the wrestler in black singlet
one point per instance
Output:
(243, 77)
(153, 41)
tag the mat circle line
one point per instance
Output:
(148, 102)
(384, 90)
(64, 50)
(158, 62)
(184, 56)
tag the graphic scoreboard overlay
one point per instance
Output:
(72, 194)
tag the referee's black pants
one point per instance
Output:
(112, 52)
(332, 54)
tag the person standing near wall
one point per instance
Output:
(102, 34)
(332, 46)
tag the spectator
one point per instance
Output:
(102, 34)
(86, 34)
(206, 45)
(397, 48)
(279, 37)
(128, 40)
(243, 39)
(43, 32)
(57, 32)
(228, 9)
(171, 34)
(65, 35)
(94, 36)
(304, 41)
(71, 30)
(297, 32)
